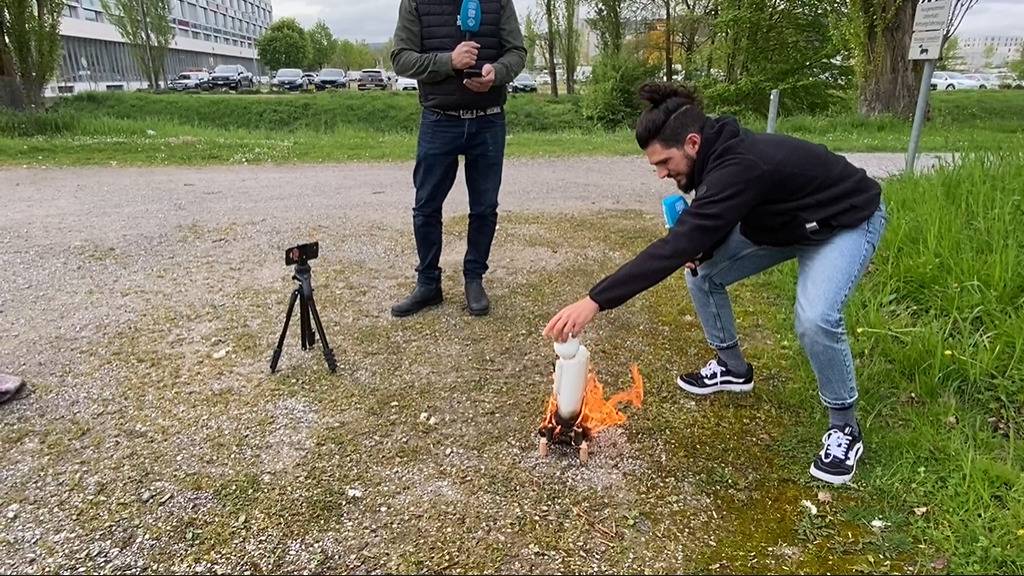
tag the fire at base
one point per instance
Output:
(577, 409)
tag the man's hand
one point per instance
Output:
(464, 55)
(484, 83)
(571, 320)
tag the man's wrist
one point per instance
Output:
(447, 62)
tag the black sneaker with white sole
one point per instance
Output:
(717, 377)
(841, 447)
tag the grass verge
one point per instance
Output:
(205, 129)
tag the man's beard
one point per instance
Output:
(686, 185)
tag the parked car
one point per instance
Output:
(402, 84)
(985, 81)
(952, 81)
(231, 76)
(1007, 81)
(371, 78)
(522, 83)
(290, 79)
(310, 78)
(190, 81)
(544, 79)
(331, 78)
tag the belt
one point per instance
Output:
(470, 113)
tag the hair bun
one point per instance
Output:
(657, 93)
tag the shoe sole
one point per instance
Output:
(703, 391)
(826, 477)
(483, 312)
(430, 304)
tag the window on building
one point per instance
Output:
(91, 15)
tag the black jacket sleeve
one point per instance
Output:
(722, 200)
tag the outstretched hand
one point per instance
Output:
(571, 320)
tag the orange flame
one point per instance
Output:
(597, 412)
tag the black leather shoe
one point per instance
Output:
(422, 297)
(476, 298)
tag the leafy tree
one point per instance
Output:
(146, 26)
(284, 45)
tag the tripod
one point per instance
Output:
(307, 307)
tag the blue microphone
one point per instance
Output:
(469, 17)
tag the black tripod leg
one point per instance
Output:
(284, 330)
(310, 334)
(304, 327)
(332, 363)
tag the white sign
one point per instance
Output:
(926, 45)
(931, 15)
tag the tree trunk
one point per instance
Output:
(151, 68)
(890, 80)
(668, 40)
(552, 38)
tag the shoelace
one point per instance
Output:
(713, 368)
(836, 445)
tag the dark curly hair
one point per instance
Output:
(673, 111)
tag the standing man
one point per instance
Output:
(462, 92)
(760, 200)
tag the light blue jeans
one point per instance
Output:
(827, 275)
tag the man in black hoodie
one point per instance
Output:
(759, 200)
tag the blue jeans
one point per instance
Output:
(827, 275)
(442, 140)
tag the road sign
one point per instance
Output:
(926, 45)
(931, 15)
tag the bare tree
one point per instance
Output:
(957, 13)
(569, 41)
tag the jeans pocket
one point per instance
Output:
(431, 115)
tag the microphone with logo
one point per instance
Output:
(469, 23)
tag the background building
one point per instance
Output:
(1004, 49)
(206, 33)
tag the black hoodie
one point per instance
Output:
(781, 191)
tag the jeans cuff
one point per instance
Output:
(838, 405)
(735, 342)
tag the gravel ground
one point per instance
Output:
(141, 305)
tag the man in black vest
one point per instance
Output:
(463, 114)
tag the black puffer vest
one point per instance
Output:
(439, 33)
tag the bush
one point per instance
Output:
(611, 98)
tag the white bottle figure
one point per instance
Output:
(570, 378)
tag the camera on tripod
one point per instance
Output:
(301, 253)
(299, 256)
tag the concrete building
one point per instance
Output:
(206, 33)
(1004, 49)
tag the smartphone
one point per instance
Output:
(472, 73)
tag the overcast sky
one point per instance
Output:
(374, 20)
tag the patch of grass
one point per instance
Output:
(203, 129)
(938, 334)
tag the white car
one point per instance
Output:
(543, 79)
(402, 84)
(953, 81)
(985, 81)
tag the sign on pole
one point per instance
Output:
(926, 44)
(931, 15)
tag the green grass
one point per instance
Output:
(192, 129)
(938, 334)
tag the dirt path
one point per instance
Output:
(141, 305)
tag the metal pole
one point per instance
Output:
(773, 111)
(922, 104)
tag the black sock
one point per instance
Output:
(733, 358)
(843, 416)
